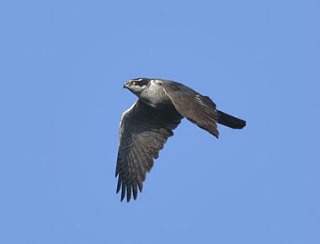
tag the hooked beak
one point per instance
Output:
(127, 84)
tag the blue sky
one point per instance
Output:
(62, 67)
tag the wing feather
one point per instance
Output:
(197, 108)
(143, 132)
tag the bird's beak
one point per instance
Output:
(126, 85)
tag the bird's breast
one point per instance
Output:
(155, 96)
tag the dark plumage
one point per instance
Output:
(146, 126)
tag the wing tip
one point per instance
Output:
(129, 191)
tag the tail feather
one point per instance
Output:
(230, 121)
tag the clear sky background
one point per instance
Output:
(62, 68)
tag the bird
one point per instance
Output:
(150, 121)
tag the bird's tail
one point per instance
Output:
(230, 121)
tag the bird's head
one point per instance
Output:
(137, 86)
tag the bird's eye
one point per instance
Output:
(133, 83)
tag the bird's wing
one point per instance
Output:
(143, 132)
(197, 108)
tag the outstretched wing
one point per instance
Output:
(197, 108)
(143, 132)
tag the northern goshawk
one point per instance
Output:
(150, 121)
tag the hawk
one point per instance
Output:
(150, 121)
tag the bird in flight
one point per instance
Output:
(150, 121)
